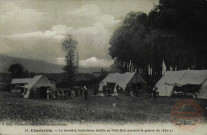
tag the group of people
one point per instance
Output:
(133, 91)
(110, 90)
(129, 91)
(67, 92)
(152, 91)
(107, 89)
(83, 91)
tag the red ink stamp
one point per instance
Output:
(186, 115)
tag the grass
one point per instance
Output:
(121, 109)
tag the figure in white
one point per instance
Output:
(48, 93)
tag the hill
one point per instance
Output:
(37, 66)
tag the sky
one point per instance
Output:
(35, 29)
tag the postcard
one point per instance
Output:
(103, 67)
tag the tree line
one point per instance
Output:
(174, 31)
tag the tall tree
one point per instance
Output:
(128, 41)
(69, 45)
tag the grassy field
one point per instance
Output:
(122, 109)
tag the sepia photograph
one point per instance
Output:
(131, 67)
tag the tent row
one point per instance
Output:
(172, 82)
(187, 81)
(192, 82)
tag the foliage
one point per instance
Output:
(184, 24)
(17, 71)
(128, 42)
(174, 31)
(69, 46)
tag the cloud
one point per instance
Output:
(94, 62)
(36, 39)
(107, 20)
(89, 10)
(93, 12)
(43, 45)
(97, 36)
(15, 18)
(57, 32)
(60, 61)
(92, 41)
(90, 62)
(46, 49)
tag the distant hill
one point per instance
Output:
(39, 66)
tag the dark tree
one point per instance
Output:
(183, 23)
(128, 41)
(69, 46)
(16, 70)
(174, 31)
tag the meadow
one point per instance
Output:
(121, 109)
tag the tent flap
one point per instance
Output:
(203, 91)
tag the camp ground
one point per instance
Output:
(35, 87)
(125, 81)
(82, 64)
(183, 83)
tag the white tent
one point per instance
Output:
(123, 80)
(196, 77)
(170, 77)
(37, 82)
(203, 91)
(179, 78)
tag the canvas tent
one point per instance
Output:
(166, 84)
(203, 91)
(123, 80)
(181, 78)
(34, 87)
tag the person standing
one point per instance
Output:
(48, 93)
(131, 91)
(69, 93)
(76, 91)
(58, 94)
(65, 93)
(137, 91)
(81, 90)
(62, 93)
(150, 90)
(95, 92)
(104, 88)
(154, 92)
(117, 88)
(85, 92)
(78, 88)
(127, 92)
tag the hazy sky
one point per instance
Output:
(36, 28)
